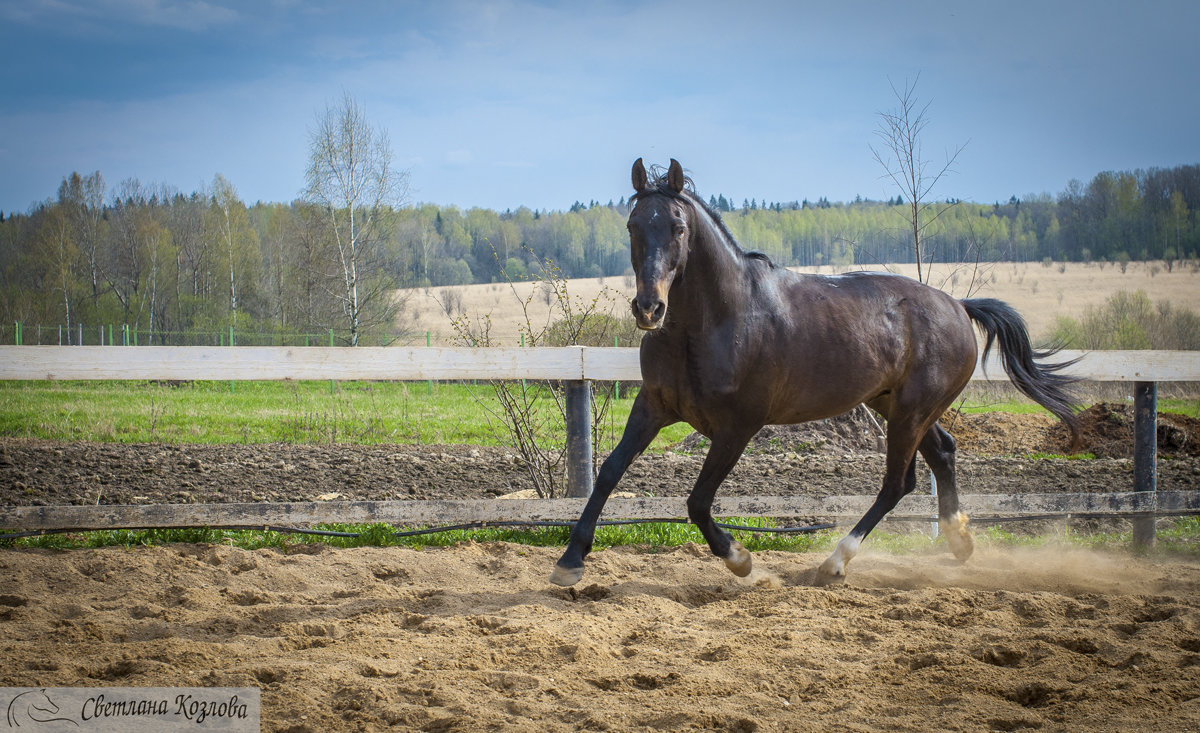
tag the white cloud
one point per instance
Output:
(188, 15)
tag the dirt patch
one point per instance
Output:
(474, 638)
(47, 473)
(857, 431)
(1107, 431)
(1000, 433)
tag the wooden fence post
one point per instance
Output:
(579, 438)
(1145, 455)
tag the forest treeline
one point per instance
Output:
(170, 263)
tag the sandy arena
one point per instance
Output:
(473, 637)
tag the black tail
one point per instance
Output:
(1039, 382)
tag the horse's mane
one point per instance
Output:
(657, 183)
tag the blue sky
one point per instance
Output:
(503, 104)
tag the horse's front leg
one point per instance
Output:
(721, 458)
(640, 429)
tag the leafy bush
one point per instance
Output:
(1129, 321)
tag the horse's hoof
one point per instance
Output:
(826, 577)
(566, 577)
(958, 536)
(834, 567)
(739, 561)
(832, 570)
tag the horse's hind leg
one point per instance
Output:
(937, 447)
(721, 458)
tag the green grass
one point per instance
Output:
(1005, 398)
(649, 534)
(316, 412)
(1179, 537)
(278, 412)
(1191, 408)
(1037, 456)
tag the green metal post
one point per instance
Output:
(428, 343)
(110, 334)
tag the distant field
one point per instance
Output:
(1040, 293)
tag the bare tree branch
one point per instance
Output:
(905, 165)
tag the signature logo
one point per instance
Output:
(34, 706)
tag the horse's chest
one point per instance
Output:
(696, 385)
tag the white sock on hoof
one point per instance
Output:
(835, 564)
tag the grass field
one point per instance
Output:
(365, 413)
(416, 413)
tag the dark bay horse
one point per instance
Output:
(734, 343)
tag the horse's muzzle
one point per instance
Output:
(649, 312)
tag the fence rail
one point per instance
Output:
(396, 363)
(578, 366)
(444, 511)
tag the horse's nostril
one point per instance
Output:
(651, 309)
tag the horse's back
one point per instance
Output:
(851, 337)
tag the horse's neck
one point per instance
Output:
(714, 279)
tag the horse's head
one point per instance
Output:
(658, 241)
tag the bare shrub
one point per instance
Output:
(452, 301)
(532, 409)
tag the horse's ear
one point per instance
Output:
(675, 177)
(639, 176)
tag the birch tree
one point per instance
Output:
(83, 197)
(904, 163)
(351, 178)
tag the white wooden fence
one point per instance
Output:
(418, 364)
(578, 366)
